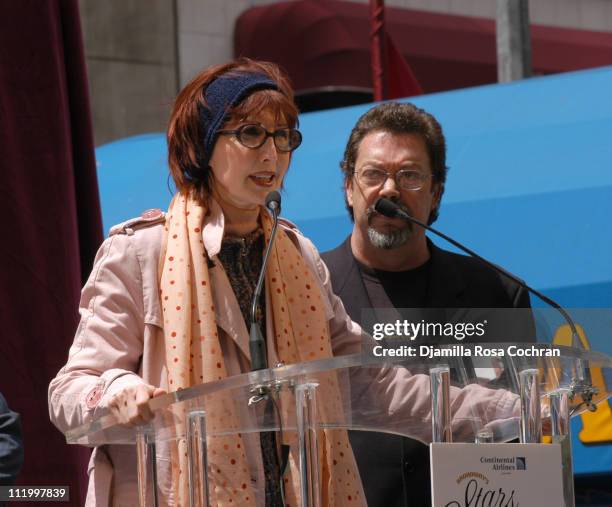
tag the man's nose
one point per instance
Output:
(389, 188)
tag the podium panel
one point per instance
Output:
(299, 428)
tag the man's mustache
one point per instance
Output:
(370, 211)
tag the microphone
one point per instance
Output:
(582, 384)
(273, 203)
(257, 343)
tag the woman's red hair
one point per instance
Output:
(185, 134)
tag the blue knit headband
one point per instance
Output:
(222, 94)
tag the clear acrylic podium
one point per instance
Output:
(458, 398)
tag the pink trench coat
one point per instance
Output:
(119, 342)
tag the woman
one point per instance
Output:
(168, 300)
(145, 331)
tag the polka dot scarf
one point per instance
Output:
(194, 356)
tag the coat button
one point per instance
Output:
(93, 398)
(151, 214)
(408, 467)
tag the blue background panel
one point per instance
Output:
(529, 187)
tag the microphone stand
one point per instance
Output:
(259, 361)
(257, 343)
(582, 384)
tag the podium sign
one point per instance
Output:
(500, 475)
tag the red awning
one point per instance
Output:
(324, 43)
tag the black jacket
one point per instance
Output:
(395, 470)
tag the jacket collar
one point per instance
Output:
(345, 271)
(348, 284)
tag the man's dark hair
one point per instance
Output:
(399, 119)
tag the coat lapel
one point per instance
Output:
(346, 280)
(227, 310)
(230, 319)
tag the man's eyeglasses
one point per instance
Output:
(254, 136)
(406, 179)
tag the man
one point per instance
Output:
(398, 151)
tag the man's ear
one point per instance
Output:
(348, 188)
(436, 190)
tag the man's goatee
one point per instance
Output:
(391, 240)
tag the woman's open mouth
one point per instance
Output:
(263, 179)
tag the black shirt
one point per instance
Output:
(396, 289)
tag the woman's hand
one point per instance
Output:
(131, 405)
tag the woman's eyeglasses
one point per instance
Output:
(254, 136)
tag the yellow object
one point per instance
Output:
(596, 426)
